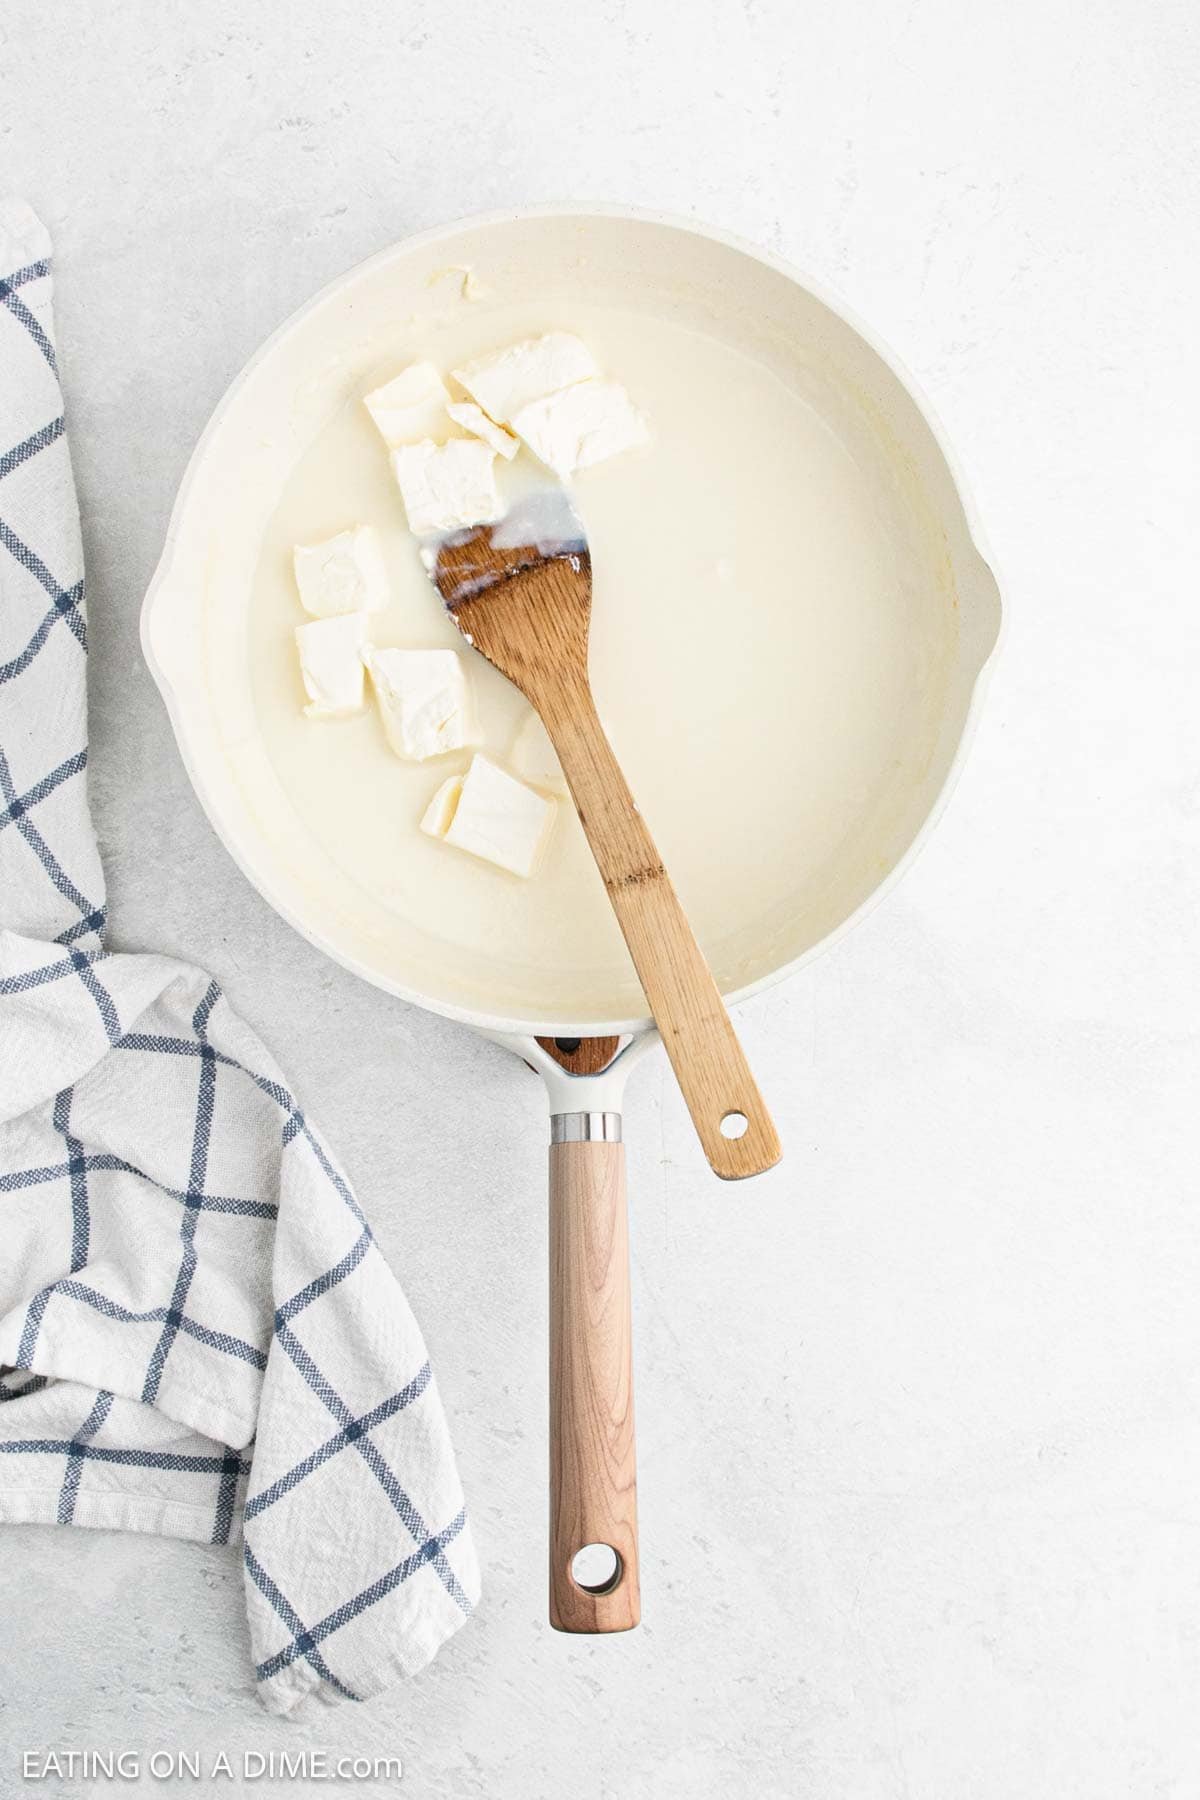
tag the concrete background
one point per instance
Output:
(919, 1413)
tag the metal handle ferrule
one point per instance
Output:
(585, 1128)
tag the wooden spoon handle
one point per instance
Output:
(593, 1467)
(708, 1060)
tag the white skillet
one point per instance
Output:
(196, 639)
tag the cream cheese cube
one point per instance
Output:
(423, 700)
(438, 815)
(331, 664)
(493, 816)
(533, 757)
(411, 407)
(343, 574)
(509, 379)
(447, 486)
(472, 418)
(584, 424)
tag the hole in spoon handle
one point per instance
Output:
(714, 1075)
(739, 1140)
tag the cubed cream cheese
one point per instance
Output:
(582, 425)
(533, 756)
(411, 407)
(424, 701)
(472, 418)
(509, 379)
(447, 486)
(492, 815)
(438, 815)
(331, 664)
(342, 574)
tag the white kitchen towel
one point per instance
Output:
(198, 1333)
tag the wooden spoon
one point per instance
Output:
(520, 591)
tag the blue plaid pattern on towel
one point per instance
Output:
(198, 1333)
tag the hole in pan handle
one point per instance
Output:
(597, 1568)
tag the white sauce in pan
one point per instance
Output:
(769, 642)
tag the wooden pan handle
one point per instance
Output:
(709, 1062)
(593, 1465)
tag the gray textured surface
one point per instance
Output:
(920, 1412)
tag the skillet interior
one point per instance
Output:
(849, 658)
